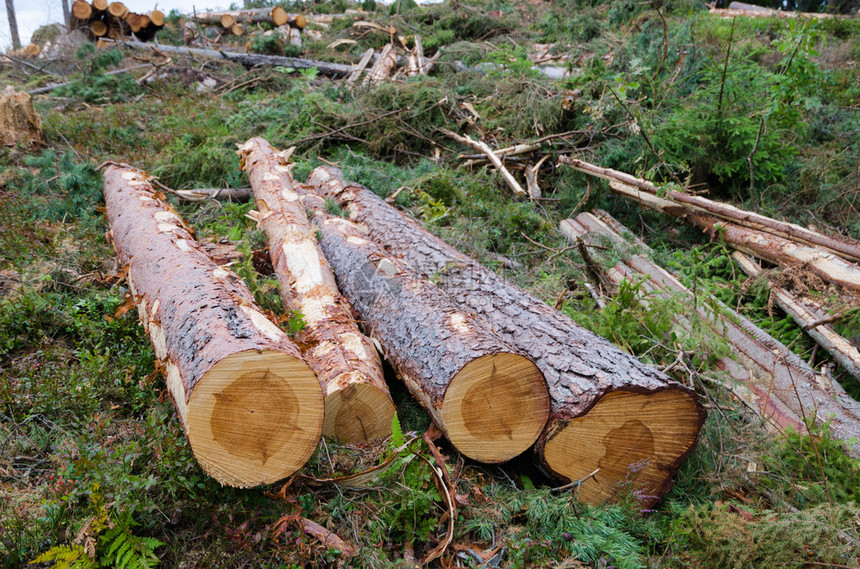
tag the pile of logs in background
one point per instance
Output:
(113, 20)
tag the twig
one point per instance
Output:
(494, 159)
(576, 483)
(825, 320)
(28, 64)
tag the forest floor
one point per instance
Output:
(92, 459)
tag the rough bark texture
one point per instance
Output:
(201, 318)
(358, 405)
(431, 341)
(679, 204)
(19, 121)
(580, 367)
(253, 59)
(775, 371)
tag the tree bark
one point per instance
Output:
(249, 405)
(843, 246)
(774, 371)
(806, 317)
(609, 411)
(489, 399)
(253, 59)
(358, 406)
(66, 13)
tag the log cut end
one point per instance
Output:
(637, 441)
(255, 418)
(496, 407)
(358, 413)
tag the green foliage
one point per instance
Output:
(732, 536)
(633, 319)
(66, 557)
(816, 466)
(58, 187)
(124, 550)
(95, 86)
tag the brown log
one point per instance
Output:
(117, 9)
(489, 399)
(99, 28)
(237, 29)
(358, 406)
(19, 121)
(157, 18)
(787, 390)
(134, 21)
(251, 408)
(100, 5)
(843, 246)
(82, 10)
(609, 411)
(809, 318)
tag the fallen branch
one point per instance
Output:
(844, 246)
(482, 147)
(251, 59)
(813, 321)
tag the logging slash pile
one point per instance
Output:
(498, 370)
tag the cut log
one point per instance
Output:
(19, 121)
(99, 28)
(251, 408)
(82, 10)
(358, 406)
(809, 318)
(100, 5)
(157, 18)
(252, 59)
(774, 371)
(843, 246)
(237, 29)
(117, 9)
(276, 16)
(609, 411)
(489, 399)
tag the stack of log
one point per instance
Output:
(780, 386)
(498, 370)
(239, 22)
(101, 19)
